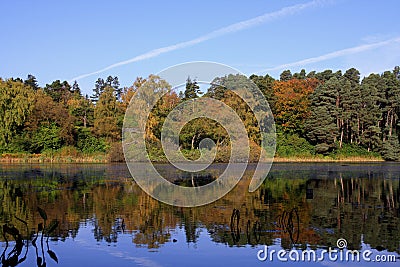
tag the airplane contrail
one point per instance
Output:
(242, 25)
(335, 54)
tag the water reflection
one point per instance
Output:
(12, 258)
(298, 205)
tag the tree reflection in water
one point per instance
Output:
(12, 258)
(295, 207)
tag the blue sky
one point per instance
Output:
(69, 40)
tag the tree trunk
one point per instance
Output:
(391, 123)
(341, 138)
(358, 127)
(193, 139)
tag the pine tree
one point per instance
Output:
(321, 128)
(58, 91)
(192, 89)
(301, 75)
(75, 89)
(32, 82)
(391, 149)
(372, 96)
(98, 89)
(266, 86)
(286, 75)
(352, 105)
(391, 110)
(324, 75)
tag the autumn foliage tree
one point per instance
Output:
(292, 103)
(49, 125)
(323, 112)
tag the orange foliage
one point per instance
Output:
(292, 104)
(129, 92)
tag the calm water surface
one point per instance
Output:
(95, 215)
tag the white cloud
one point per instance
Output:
(335, 54)
(239, 26)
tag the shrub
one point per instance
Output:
(87, 143)
(69, 151)
(352, 150)
(115, 153)
(391, 149)
(291, 145)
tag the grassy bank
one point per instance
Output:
(40, 158)
(299, 151)
(106, 158)
(329, 159)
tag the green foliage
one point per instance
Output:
(352, 150)
(391, 149)
(46, 137)
(286, 75)
(191, 154)
(58, 91)
(32, 82)
(18, 144)
(106, 115)
(321, 114)
(322, 148)
(87, 143)
(321, 127)
(15, 106)
(292, 145)
(192, 89)
(101, 84)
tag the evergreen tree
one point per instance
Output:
(301, 75)
(286, 75)
(59, 91)
(114, 83)
(312, 74)
(216, 90)
(372, 95)
(391, 107)
(324, 75)
(75, 89)
(391, 149)
(266, 86)
(101, 84)
(344, 106)
(98, 89)
(352, 112)
(181, 95)
(321, 128)
(32, 82)
(192, 89)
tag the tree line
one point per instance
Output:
(317, 114)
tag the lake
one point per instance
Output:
(95, 215)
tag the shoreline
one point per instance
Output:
(37, 158)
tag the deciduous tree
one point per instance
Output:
(16, 103)
(292, 103)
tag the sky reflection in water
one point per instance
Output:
(106, 220)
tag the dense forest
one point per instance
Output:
(318, 115)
